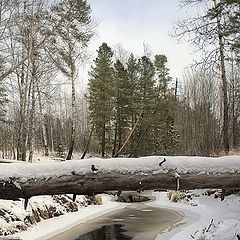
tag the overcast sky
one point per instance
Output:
(134, 22)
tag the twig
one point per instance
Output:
(164, 160)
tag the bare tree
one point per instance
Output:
(69, 42)
(197, 113)
(205, 31)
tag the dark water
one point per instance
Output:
(139, 222)
(108, 232)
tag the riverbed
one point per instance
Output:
(137, 221)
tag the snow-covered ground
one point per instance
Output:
(205, 218)
(53, 226)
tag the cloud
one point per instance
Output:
(133, 22)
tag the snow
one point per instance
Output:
(53, 226)
(225, 229)
(205, 218)
(198, 214)
(9, 161)
(179, 165)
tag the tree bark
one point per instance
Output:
(88, 143)
(73, 116)
(31, 135)
(103, 141)
(92, 176)
(224, 85)
(93, 183)
(130, 134)
(44, 131)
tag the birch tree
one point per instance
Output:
(72, 35)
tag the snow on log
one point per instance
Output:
(94, 175)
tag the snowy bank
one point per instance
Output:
(14, 218)
(206, 218)
(51, 227)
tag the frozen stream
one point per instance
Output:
(137, 221)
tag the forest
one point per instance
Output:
(130, 106)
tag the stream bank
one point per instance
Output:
(136, 221)
(15, 219)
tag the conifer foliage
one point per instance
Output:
(131, 106)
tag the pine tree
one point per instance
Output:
(133, 76)
(123, 108)
(101, 89)
(132, 106)
(163, 130)
(145, 101)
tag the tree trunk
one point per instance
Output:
(44, 131)
(88, 143)
(130, 134)
(127, 174)
(22, 137)
(24, 103)
(31, 138)
(103, 142)
(115, 140)
(224, 85)
(73, 118)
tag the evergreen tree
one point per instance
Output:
(132, 107)
(122, 104)
(101, 89)
(145, 100)
(162, 72)
(163, 130)
(133, 76)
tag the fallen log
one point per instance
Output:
(92, 176)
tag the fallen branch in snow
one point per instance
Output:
(163, 161)
(209, 226)
(224, 229)
(92, 176)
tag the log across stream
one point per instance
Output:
(93, 176)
